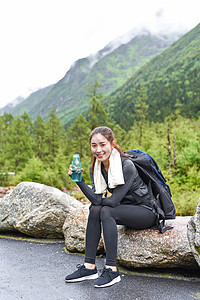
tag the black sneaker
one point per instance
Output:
(82, 274)
(107, 278)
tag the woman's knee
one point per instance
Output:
(95, 211)
(105, 212)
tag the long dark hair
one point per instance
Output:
(108, 134)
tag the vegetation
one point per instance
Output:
(171, 80)
(41, 151)
(157, 110)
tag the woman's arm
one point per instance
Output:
(120, 191)
(89, 193)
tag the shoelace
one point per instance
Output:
(104, 272)
(79, 266)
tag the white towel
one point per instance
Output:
(115, 173)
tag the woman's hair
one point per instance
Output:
(108, 134)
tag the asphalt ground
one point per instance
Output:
(35, 270)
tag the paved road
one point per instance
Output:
(36, 271)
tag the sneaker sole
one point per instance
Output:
(115, 280)
(89, 277)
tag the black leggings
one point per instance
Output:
(133, 216)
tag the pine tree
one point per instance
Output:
(97, 114)
(28, 125)
(54, 130)
(78, 134)
(18, 146)
(2, 137)
(5, 167)
(40, 145)
(120, 135)
(5, 122)
(141, 109)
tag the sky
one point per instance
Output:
(41, 39)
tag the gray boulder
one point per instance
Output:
(74, 230)
(36, 210)
(194, 233)
(150, 248)
(137, 248)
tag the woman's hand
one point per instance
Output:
(70, 170)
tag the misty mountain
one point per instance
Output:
(111, 67)
(170, 81)
(12, 104)
(29, 103)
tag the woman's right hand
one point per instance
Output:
(70, 170)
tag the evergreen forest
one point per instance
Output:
(41, 150)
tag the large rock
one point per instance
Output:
(150, 248)
(74, 230)
(194, 233)
(36, 210)
(137, 248)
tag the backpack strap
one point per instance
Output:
(160, 216)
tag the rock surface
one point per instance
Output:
(42, 211)
(150, 248)
(194, 233)
(36, 210)
(74, 230)
(137, 248)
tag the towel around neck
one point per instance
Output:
(115, 173)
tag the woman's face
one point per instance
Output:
(101, 147)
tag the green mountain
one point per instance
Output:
(111, 67)
(11, 105)
(26, 105)
(170, 82)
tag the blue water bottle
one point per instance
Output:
(76, 168)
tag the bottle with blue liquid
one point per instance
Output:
(76, 168)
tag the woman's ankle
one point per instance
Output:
(113, 268)
(89, 266)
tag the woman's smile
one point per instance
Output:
(101, 147)
(100, 155)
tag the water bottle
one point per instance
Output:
(76, 168)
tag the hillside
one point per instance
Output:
(11, 105)
(170, 80)
(29, 103)
(110, 67)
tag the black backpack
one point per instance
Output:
(150, 173)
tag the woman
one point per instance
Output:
(111, 171)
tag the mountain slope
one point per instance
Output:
(171, 80)
(110, 67)
(11, 105)
(111, 71)
(27, 105)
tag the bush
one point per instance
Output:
(185, 200)
(33, 171)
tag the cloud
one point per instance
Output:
(40, 40)
(159, 13)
